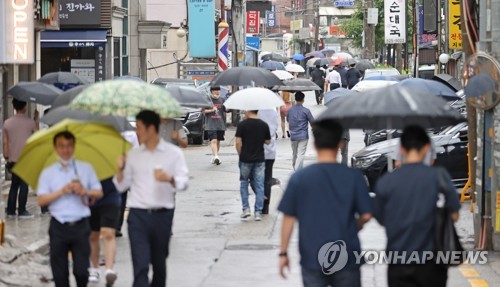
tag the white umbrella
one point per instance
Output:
(282, 75)
(310, 63)
(253, 99)
(371, 84)
(342, 55)
(294, 68)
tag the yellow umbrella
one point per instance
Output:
(96, 143)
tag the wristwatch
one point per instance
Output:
(283, 254)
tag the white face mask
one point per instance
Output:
(215, 96)
(65, 162)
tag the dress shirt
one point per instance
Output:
(145, 191)
(298, 118)
(334, 78)
(69, 207)
(271, 118)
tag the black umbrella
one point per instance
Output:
(62, 78)
(61, 113)
(434, 88)
(336, 94)
(364, 65)
(246, 76)
(35, 92)
(65, 98)
(449, 81)
(272, 65)
(299, 84)
(323, 62)
(275, 57)
(392, 107)
(189, 97)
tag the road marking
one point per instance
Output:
(478, 283)
(469, 272)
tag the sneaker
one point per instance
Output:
(110, 277)
(213, 160)
(25, 215)
(11, 215)
(258, 216)
(246, 213)
(217, 161)
(94, 275)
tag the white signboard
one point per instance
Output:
(372, 16)
(17, 43)
(395, 21)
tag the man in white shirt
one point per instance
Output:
(333, 80)
(154, 172)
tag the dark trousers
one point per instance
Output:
(149, 234)
(418, 275)
(268, 183)
(342, 278)
(319, 96)
(63, 239)
(334, 86)
(123, 205)
(17, 186)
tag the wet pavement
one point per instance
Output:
(211, 246)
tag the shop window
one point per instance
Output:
(116, 57)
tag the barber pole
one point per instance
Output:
(222, 55)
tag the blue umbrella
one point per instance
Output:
(382, 78)
(479, 85)
(337, 93)
(272, 65)
(430, 87)
(298, 57)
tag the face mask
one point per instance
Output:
(65, 162)
(214, 96)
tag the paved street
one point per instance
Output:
(211, 245)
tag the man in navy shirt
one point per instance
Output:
(406, 206)
(330, 202)
(298, 118)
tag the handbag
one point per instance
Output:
(446, 239)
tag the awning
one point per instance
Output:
(73, 38)
(334, 11)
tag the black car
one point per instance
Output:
(451, 153)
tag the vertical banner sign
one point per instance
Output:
(201, 28)
(252, 25)
(271, 18)
(395, 21)
(17, 43)
(454, 22)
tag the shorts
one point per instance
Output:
(104, 216)
(216, 135)
(284, 109)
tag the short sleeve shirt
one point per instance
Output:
(318, 77)
(166, 130)
(216, 121)
(18, 129)
(253, 134)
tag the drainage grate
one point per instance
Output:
(252, 247)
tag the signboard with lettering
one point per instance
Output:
(295, 25)
(253, 42)
(454, 21)
(100, 67)
(80, 13)
(201, 28)
(252, 25)
(270, 19)
(343, 3)
(395, 21)
(17, 43)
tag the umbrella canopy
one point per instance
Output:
(65, 98)
(310, 62)
(382, 78)
(327, 51)
(364, 64)
(337, 93)
(253, 99)
(35, 92)
(275, 57)
(430, 87)
(315, 54)
(392, 107)
(344, 55)
(336, 62)
(298, 57)
(272, 65)
(294, 68)
(190, 97)
(126, 98)
(62, 78)
(323, 62)
(283, 75)
(246, 76)
(98, 144)
(351, 61)
(479, 85)
(59, 114)
(131, 78)
(369, 85)
(295, 85)
(448, 80)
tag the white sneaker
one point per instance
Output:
(110, 277)
(94, 275)
(213, 160)
(246, 213)
(258, 216)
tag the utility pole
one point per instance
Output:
(369, 30)
(316, 20)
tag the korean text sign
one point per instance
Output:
(201, 28)
(80, 13)
(252, 25)
(395, 21)
(454, 22)
(17, 43)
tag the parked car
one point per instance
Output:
(451, 153)
(388, 72)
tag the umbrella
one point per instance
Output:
(66, 97)
(131, 78)
(327, 51)
(253, 99)
(274, 57)
(246, 76)
(449, 81)
(98, 144)
(310, 62)
(295, 85)
(283, 75)
(126, 98)
(294, 68)
(315, 54)
(272, 65)
(344, 55)
(59, 114)
(479, 85)
(382, 78)
(430, 87)
(298, 57)
(392, 107)
(323, 62)
(351, 61)
(336, 62)
(337, 93)
(35, 92)
(62, 78)
(190, 97)
(364, 64)
(368, 85)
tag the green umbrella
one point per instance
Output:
(126, 98)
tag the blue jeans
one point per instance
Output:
(342, 278)
(255, 172)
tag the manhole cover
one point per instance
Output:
(252, 247)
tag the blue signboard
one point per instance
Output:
(343, 3)
(253, 42)
(271, 18)
(201, 28)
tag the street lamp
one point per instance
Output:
(443, 59)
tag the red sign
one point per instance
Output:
(337, 32)
(253, 24)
